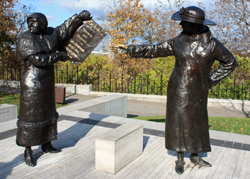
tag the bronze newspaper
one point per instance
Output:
(84, 41)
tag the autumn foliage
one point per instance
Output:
(12, 21)
(130, 22)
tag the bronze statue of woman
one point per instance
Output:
(195, 51)
(37, 48)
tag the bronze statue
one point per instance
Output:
(37, 47)
(195, 51)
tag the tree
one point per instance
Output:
(233, 24)
(127, 23)
(13, 17)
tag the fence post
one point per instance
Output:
(115, 85)
(110, 81)
(11, 77)
(19, 72)
(7, 72)
(67, 73)
(154, 87)
(72, 74)
(141, 84)
(134, 83)
(147, 83)
(87, 76)
(122, 80)
(242, 95)
(128, 86)
(98, 80)
(82, 78)
(56, 74)
(76, 74)
(93, 83)
(161, 84)
(234, 84)
(219, 91)
(3, 70)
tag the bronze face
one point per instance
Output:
(34, 27)
(191, 28)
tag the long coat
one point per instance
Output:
(37, 122)
(186, 127)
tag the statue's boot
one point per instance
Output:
(179, 166)
(29, 157)
(199, 161)
(48, 147)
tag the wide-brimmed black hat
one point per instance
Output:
(192, 14)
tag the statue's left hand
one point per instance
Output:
(85, 15)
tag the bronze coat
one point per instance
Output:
(186, 128)
(37, 122)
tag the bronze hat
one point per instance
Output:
(192, 14)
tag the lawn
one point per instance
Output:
(14, 98)
(225, 124)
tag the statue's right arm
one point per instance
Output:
(47, 59)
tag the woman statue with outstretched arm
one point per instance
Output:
(195, 51)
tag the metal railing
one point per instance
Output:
(110, 81)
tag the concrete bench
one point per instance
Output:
(118, 147)
(8, 112)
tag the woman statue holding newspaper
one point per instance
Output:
(195, 51)
(37, 48)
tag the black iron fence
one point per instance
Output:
(111, 81)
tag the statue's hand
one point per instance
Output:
(85, 15)
(65, 57)
(120, 49)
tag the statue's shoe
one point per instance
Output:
(29, 158)
(179, 166)
(48, 148)
(199, 161)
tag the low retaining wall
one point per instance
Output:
(70, 88)
(240, 105)
(11, 84)
(78, 89)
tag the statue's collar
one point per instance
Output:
(203, 38)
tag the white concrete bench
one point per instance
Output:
(118, 147)
(8, 112)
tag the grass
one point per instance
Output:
(14, 98)
(225, 124)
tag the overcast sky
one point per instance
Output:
(59, 10)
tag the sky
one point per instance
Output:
(57, 11)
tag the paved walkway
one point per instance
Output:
(230, 155)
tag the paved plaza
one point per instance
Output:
(230, 155)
